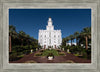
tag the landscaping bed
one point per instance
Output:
(48, 51)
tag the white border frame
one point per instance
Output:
(7, 65)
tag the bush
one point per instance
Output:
(76, 49)
(27, 52)
(47, 51)
(20, 53)
(41, 51)
(86, 54)
(58, 50)
(18, 48)
(20, 56)
(76, 54)
(61, 53)
(38, 54)
(13, 57)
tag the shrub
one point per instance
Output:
(20, 56)
(13, 57)
(76, 54)
(27, 52)
(38, 54)
(58, 50)
(20, 53)
(69, 52)
(41, 51)
(30, 46)
(61, 53)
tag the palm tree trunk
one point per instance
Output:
(10, 43)
(86, 42)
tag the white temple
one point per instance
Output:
(50, 37)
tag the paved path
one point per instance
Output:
(57, 59)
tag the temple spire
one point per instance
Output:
(49, 21)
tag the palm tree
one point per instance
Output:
(67, 39)
(22, 36)
(71, 38)
(12, 33)
(27, 38)
(64, 42)
(76, 34)
(86, 33)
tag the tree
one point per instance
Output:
(71, 38)
(76, 34)
(21, 36)
(86, 33)
(64, 42)
(27, 38)
(67, 39)
(12, 32)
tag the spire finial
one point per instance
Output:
(50, 19)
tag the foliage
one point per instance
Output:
(38, 54)
(76, 54)
(21, 43)
(50, 52)
(15, 56)
(61, 53)
(47, 51)
(83, 37)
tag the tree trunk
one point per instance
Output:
(10, 43)
(86, 42)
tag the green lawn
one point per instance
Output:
(47, 51)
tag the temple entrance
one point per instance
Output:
(55, 46)
(44, 46)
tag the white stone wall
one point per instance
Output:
(50, 37)
(70, 44)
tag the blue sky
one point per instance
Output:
(68, 20)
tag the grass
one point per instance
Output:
(21, 56)
(38, 54)
(47, 51)
(69, 52)
(61, 53)
(76, 54)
